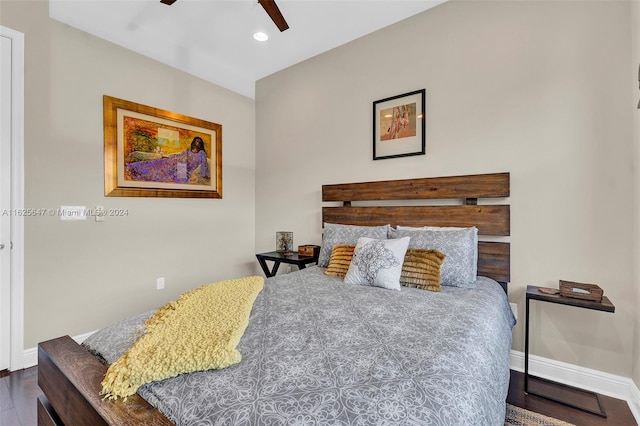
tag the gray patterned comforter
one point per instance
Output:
(318, 351)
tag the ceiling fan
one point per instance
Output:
(269, 6)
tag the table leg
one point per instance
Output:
(526, 347)
(269, 273)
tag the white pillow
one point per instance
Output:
(377, 263)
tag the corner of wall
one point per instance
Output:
(635, 74)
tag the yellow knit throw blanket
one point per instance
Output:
(199, 331)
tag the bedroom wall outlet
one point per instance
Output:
(100, 213)
(160, 283)
(514, 309)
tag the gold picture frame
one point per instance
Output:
(150, 152)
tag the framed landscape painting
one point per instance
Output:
(399, 126)
(149, 152)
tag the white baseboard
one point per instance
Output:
(634, 402)
(584, 378)
(30, 357)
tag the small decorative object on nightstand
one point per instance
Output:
(581, 291)
(308, 250)
(284, 242)
(590, 400)
(277, 258)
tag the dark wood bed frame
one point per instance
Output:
(70, 376)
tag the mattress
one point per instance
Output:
(318, 351)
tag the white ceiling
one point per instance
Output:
(212, 39)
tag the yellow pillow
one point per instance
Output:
(340, 260)
(421, 269)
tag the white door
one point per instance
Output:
(5, 202)
(11, 199)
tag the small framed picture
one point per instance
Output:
(399, 126)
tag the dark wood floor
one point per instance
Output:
(618, 412)
(18, 392)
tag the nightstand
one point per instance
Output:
(277, 258)
(564, 394)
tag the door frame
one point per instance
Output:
(16, 360)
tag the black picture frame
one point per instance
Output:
(399, 128)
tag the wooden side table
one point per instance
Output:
(570, 395)
(277, 258)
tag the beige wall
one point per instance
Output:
(539, 89)
(635, 63)
(81, 276)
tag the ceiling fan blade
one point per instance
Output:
(274, 13)
(269, 6)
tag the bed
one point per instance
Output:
(319, 351)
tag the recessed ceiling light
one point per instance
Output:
(260, 36)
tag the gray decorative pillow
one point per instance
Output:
(444, 228)
(346, 234)
(377, 263)
(460, 246)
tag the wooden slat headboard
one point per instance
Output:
(493, 185)
(490, 219)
